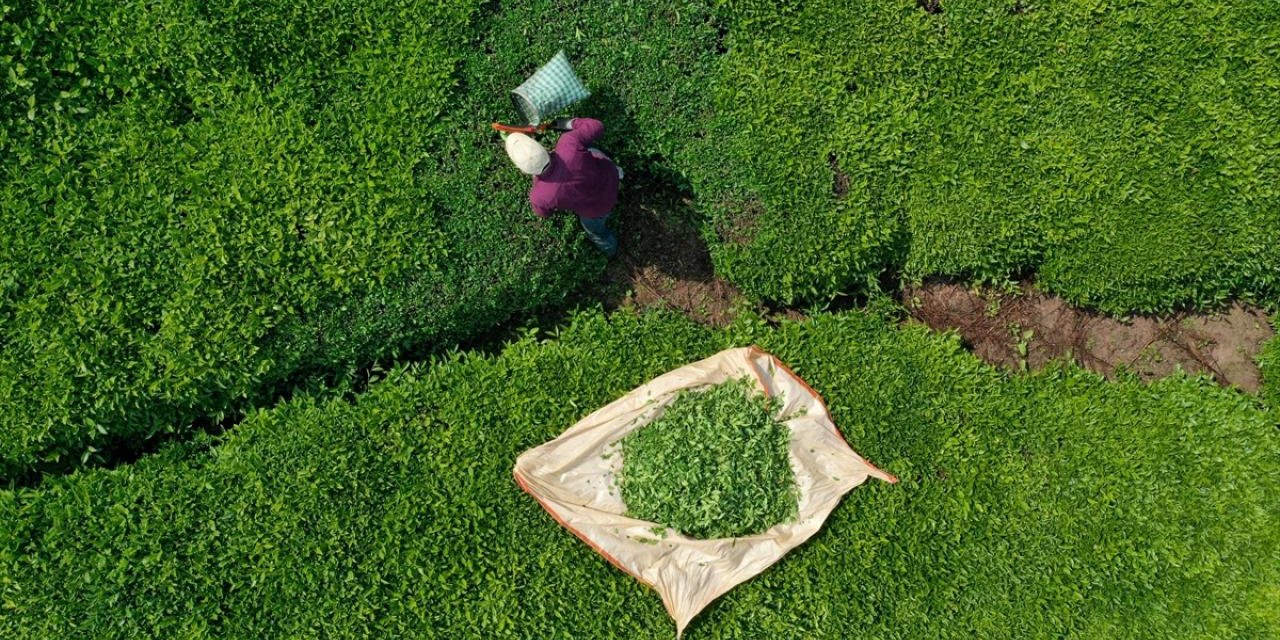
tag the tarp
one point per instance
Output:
(572, 477)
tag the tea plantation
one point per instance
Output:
(1027, 507)
(205, 205)
(220, 223)
(227, 202)
(1124, 153)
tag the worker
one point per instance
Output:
(575, 177)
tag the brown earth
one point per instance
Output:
(663, 262)
(1027, 329)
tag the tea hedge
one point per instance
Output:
(1123, 153)
(1029, 506)
(205, 204)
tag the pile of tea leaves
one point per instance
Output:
(713, 465)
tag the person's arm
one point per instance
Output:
(574, 145)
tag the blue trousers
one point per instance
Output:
(600, 235)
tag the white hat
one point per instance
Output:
(528, 155)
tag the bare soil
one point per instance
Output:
(663, 262)
(1027, 329)
(840, 184)
(933, 7)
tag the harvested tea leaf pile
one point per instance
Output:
(714, 465)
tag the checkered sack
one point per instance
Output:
(549, 90)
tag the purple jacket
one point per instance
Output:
(576, 179)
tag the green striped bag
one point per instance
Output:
(549, 90)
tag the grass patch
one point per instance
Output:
(713, 465)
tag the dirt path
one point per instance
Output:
(662, 262)
(1027, 329)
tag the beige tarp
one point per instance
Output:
(572, 478)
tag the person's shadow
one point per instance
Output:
(656, 222)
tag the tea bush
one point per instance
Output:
(1027, 506)
(232, 198)
(1122, 153)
